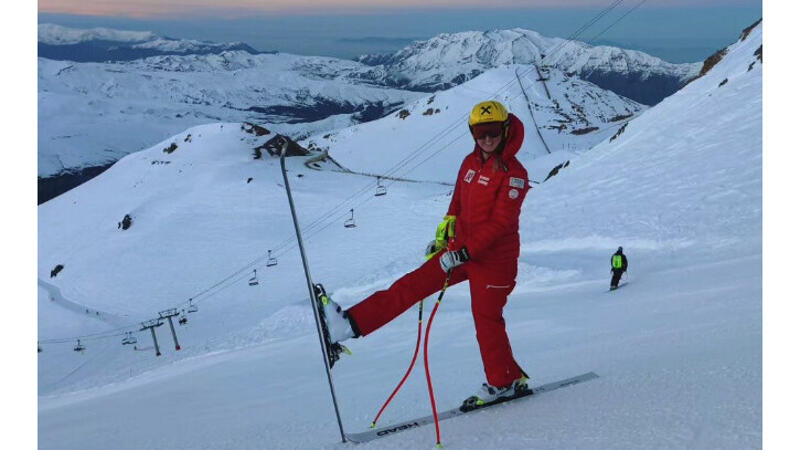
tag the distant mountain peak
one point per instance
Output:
(104, 44)
(449, 59)
(60, 35)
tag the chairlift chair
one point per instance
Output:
(129, 339)
(351, 222)
(381, 189)
(79, 347)
(271, 260)
(254, 279)
(183, 320)
(191, 308)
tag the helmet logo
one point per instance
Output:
(486, 109)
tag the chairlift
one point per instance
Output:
(351, 222)
(254, 279)
(129, 338)
(192, 308)
(79, 347)
(271, 260)
(183, 320)
(380, 190)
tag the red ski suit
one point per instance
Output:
(486, 202)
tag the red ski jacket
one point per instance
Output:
(487, 200)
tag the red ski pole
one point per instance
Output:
(427, 369)
(410, 367)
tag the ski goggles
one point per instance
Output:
(492, 130)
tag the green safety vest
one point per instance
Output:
(616, 261)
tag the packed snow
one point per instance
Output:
(678, 349)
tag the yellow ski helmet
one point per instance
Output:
(487, 112)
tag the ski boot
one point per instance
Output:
(489, 395)
(335, 325)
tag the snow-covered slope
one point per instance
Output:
(94, 113)
(426, 140)
(452, 58)
(104, 44)
(678, 350)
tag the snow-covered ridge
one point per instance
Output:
(452, 58)
(105, 44)
(60, 35)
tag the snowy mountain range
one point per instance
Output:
(450, 59)
(192, 82)
(92, 114)
(61, 43)
(678, 350)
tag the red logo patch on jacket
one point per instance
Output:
(469, 176)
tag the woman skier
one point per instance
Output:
(477, 241)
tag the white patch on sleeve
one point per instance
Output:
(513, 194)
(516, 182)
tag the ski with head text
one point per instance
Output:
(390, 430)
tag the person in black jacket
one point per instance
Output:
(619, 264)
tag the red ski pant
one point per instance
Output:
(489, 285)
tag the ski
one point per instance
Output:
(390, 430)
(320, 322)
(618, 286)
(335, 349)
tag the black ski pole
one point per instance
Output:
(284, 146)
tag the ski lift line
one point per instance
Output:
(583, 28)
(530, 110)
(405, 161)
(87, 337)
(388, 174)
(642, 2)
(121, 331)
(320, 222)
(541, 78)
(246, 269)
(393, 169)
